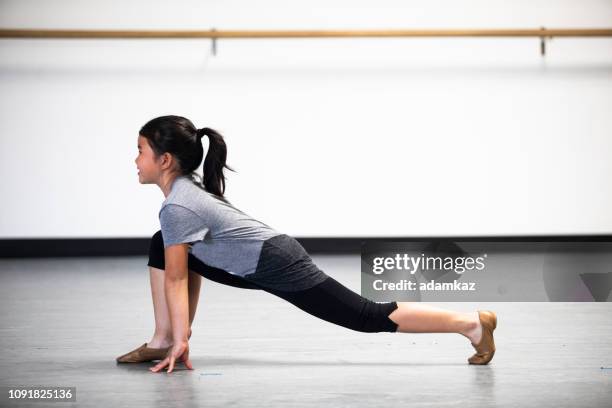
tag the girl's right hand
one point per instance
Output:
(178, 353)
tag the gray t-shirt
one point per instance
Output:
(220, 235)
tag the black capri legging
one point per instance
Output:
(329, 300)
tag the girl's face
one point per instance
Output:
(148, 168)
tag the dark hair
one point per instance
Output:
(179, 137)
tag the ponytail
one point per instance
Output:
(213, 177)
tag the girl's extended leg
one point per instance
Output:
(335, 303)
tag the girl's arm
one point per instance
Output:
(176, 290)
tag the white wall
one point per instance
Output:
(330, 137)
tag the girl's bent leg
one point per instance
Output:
(162, 337)
(194, 283)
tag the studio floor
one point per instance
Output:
(64, 321)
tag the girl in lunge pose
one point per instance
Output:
(203, 234)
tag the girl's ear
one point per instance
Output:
(166, 160)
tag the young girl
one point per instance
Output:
(203, 234)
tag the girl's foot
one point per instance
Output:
(485, 348)
(143, 354)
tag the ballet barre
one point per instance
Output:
(542, 33)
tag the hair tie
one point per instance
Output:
(200, 133)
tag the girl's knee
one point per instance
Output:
(376, 317)
(156, 251)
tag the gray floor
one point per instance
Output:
(64, 321)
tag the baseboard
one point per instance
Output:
(78, 247)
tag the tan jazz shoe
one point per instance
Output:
(486, 348)
(143, 354)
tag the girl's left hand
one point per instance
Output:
(178, 352)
